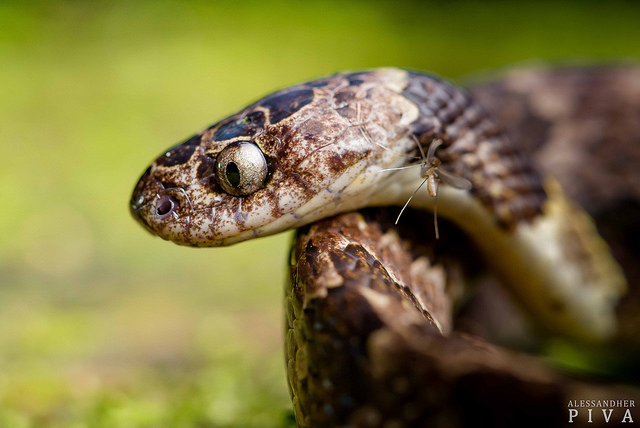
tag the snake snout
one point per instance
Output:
(150, 203)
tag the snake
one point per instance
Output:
(371, 300)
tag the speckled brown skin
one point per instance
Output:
(394, 363)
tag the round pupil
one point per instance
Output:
(233, 174)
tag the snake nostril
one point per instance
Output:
(165, 206)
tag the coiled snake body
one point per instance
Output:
(370, 305)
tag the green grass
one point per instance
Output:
(102, 325)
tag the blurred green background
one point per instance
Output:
(102, 325)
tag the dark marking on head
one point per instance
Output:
(177, 156)
(356, 79)
(343, 97)
(282, 105)
(254, 118)
(240, 126)
(146, 173)
(320, 83)
(205, 167)
(335, 162)
(192, 141)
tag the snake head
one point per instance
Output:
(283, 161)
(205, 192)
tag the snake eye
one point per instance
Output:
(241, 169)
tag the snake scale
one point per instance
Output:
(371, 305)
